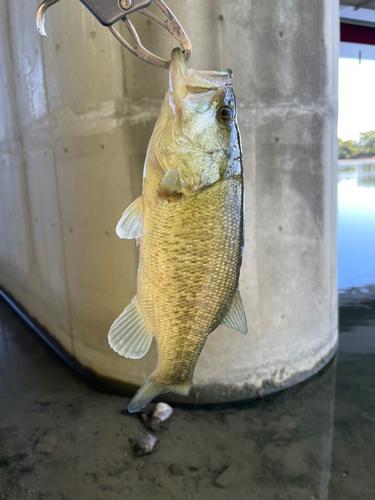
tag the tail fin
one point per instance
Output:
(151, 389)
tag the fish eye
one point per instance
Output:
(225, 114)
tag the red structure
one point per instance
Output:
(356, 33)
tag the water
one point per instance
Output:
(356, 225)
(62, 440)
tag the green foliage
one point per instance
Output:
(367, 142)
(347, 149)
(364, 148)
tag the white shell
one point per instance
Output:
(163, 411)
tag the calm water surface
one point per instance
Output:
(356, 225)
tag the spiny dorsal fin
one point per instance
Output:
(131, 223)
(236, 317)
(171, 182)
(129, 335)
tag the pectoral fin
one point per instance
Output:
(171, 182)
(131, 223)
(129, 335)
(236, 317)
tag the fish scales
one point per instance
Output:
(190, 222)
(189, 269)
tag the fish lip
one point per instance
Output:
(177, 73)
(177, 58)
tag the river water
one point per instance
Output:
(356, 225)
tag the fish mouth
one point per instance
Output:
(183, 81)
(188, 89)
(178, 63)
(199, 88)
(177, 75)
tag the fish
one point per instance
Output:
(189, 222)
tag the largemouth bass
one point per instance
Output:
(190, 223)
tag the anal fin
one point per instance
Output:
(129, 335)
(131, 223)
(235, 317)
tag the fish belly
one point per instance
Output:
(189, 266)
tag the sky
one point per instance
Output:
(356, 98)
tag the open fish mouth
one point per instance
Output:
(183, 81)
(197, 91)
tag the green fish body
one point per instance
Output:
(190, 222)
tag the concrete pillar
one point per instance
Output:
(77, 111)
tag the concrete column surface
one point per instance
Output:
(76, 113)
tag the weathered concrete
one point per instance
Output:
(77, 111)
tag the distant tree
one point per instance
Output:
(364, 148)
(367, 143)
(348, 149)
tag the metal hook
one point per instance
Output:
(109, 13)
(40, 21)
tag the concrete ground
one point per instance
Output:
(62, 440)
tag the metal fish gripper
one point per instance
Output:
(110, 12)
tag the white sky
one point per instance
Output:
(356, 98)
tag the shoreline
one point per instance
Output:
(355, 161)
